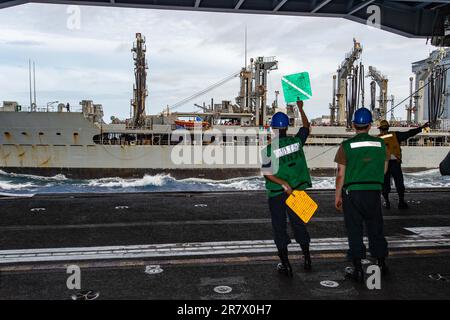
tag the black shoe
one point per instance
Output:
(307, 262)
(403, 205)
(383, 267)
(386, 203)
(86, 295)
(355, 273)
(306, 257)
(285, 269)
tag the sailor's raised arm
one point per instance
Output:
(403, 136)
(303, 132)
(305, 121)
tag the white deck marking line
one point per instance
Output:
(199, 249)
(16, 195)
(430, 231)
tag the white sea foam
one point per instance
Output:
(9, 185)
(239, 185)
(157, 180)
(58, 177)
(161, 182)
(431, 172)
(323, 182)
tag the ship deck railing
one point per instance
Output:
(49, 109)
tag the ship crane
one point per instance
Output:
(140, 87)
(383, 100)
(253, 90)
(252, 96)
(431, 73)
(345, 71)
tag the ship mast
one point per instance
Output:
(139, 87)
(345, 75)
(382, 82)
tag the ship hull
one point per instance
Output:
(48, 144)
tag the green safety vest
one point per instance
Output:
(365, 157)
(289, 163)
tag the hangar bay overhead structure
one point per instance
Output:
(411, 18)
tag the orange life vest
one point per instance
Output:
(391, 141)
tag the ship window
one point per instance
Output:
(24, 133)
(58, 133)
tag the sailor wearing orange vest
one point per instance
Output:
(393, 139)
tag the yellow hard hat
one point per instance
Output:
(383, 124)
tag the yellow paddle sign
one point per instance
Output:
(302, 204)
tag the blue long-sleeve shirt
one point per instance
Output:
(405, 135)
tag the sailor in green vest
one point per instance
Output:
(284, 169)
(362, 162)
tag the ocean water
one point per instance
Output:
(29, 184)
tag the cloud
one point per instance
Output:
(24, 43)
(186, 52)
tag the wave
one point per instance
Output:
(23, 183)
(8, 185)
(323, 182)
(188, 184)
(239, 185)
(58, 177)
(147, 180)
(431, 172)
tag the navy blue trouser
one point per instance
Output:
(364, 207)
(279, 210)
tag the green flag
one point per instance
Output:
(296, 87)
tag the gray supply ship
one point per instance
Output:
(222, 140)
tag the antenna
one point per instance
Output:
(245, 64)
(29, 78)
(34, 84)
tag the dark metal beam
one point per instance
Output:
(429, 1)
(278, 7)
(400, 16)
(239, 4)
(400, 6)
(12, 3)
(440, 6)
(320, 5)
(359, 7)
(422, 5)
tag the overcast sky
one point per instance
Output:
(187, 51)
